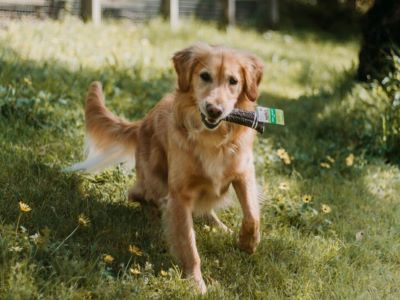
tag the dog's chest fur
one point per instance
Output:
(214, 167)
(219, 166)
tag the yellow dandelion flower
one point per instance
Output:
(325, 165)
(281, 152)
(284, 186)
(135, 250)
(108, 259)
(23, 207)
(27, 81)
(280, 199)
(330, 159)
(135, 271)
(163, 273)
(326, 209)
(350, 160)
(284, 156)
(286, 160)
(307, 198)
(83, 220)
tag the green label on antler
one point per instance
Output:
(270, 115)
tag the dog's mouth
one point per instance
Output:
(209, 122)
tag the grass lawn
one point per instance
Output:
(344, 244)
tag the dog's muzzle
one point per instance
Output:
(209, 122)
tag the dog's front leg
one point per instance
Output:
(181, 237)
(246, 191)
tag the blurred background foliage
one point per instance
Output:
(376, 23)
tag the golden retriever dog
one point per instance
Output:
(186, 156)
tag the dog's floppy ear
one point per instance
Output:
(253, 69)
(185, 61)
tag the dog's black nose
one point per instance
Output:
(213, 111)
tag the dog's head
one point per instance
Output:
(218, 79)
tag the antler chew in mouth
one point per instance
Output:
(246, 118)
(256, 119)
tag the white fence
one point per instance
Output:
(225, 11)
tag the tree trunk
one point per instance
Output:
(272, 7)
(381, 38)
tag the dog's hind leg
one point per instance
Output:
(138, 194)
(213, 219)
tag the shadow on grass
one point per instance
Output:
(57, 199)
(48, 96)
(306, 133)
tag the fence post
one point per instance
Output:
(229, 12)
(174, 14)
(170, 10)
(96, 11)
(91, 10)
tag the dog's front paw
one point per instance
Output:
(201, 285)
(198, 283)
(249, 236)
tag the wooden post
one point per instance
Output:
(174, 14)
(91, 10)
(231, 12)
(96, 12)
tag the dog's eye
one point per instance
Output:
(232, 81)
(206, 77)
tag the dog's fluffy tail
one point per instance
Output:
(109, 140)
